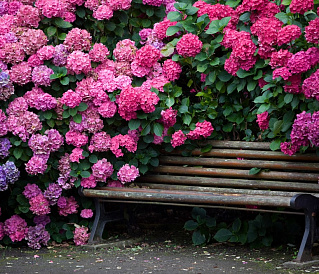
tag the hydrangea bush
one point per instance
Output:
(92, 91)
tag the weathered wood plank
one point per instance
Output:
(227, 182)
(221, 190)
(236, 173)
(253, 154)
(186, 197)
(234, 163)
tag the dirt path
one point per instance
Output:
(162, 251)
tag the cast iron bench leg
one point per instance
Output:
(101, 218)
(310, 205)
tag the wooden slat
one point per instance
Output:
(231, 183)
(221, 190)
(255, 154)
(236, 144)
(234, 163)
(186, 197)
(273, 175)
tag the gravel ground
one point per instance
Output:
(159, 249)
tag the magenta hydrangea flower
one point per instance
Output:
(67, 205)
(37, 236)
(31, 190)
(16, 228)
(202, 130)
(178, 138)
(263, 120)
(311, 31)
(39, 205)
(81, 235)
(41, 76)
(168, 117)
(128, 173)
(189, 45)
(102, 170)
(89, 182)
(78, 62)
(71, 99)
(86, 213)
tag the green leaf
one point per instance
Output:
(51, 31)
(119, 31)
(288, 98)
(187, 119)
(183, 109)
(191, 10)
(242, 73)
(24, 209)
(73, 111)
(224, 21)
(283, 17)
(69, 234)
(66, 114)
(158, 129)
(110, 26)
(251, 85)
(93, 159)
(206, 148)
(275, 145)
(134, 124)
(277, 127)
(154, 162)
(174, 16)
(263, 108)
(65, 81)
(172, 30)
(170, 101)
(236, 225)
(245, 17)
(190, 225)
(224, 76)
(17, 152)
(210, 222)
(62, 24)
(82, 106)
(62, 36)
(47, 115)
(286, 2)
(85, 174)
(254, 171)
(223, 235)
(213, 27)
(198, 238)
(80, 11)
(148, 139)
(77, 118)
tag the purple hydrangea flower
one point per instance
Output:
(36, 236)
(12, 173)
(3, 180)
(5, 145)
(53, 193)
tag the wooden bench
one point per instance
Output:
(220, 178)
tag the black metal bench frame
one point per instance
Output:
(219, 179)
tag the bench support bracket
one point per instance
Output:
(310, 205)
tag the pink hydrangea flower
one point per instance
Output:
(39, 205)
(67, 205)
(71, 99)
(37, 164)
(297, 6)
(16, 228)
(103, 12)
(89, 182)
(81, 235)
(126, 141)
(77, 40)
(287, 34)
(178, 138)
(46, 52)
(99, 52)
(168, 117)
(102, 170)
(189, 45)
(311, 31)
(128, 173)
(283, 72)
(21, 73)
(86, 213)
(263, 120)
(76, 155)
(203, 129)
(76, 139)
(171, 70)
(78, 62)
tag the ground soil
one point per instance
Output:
(161, 247)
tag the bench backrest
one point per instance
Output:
(228, 165)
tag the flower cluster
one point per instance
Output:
(128, 173)
(37, 236)
(9, 174)
(81, 235)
